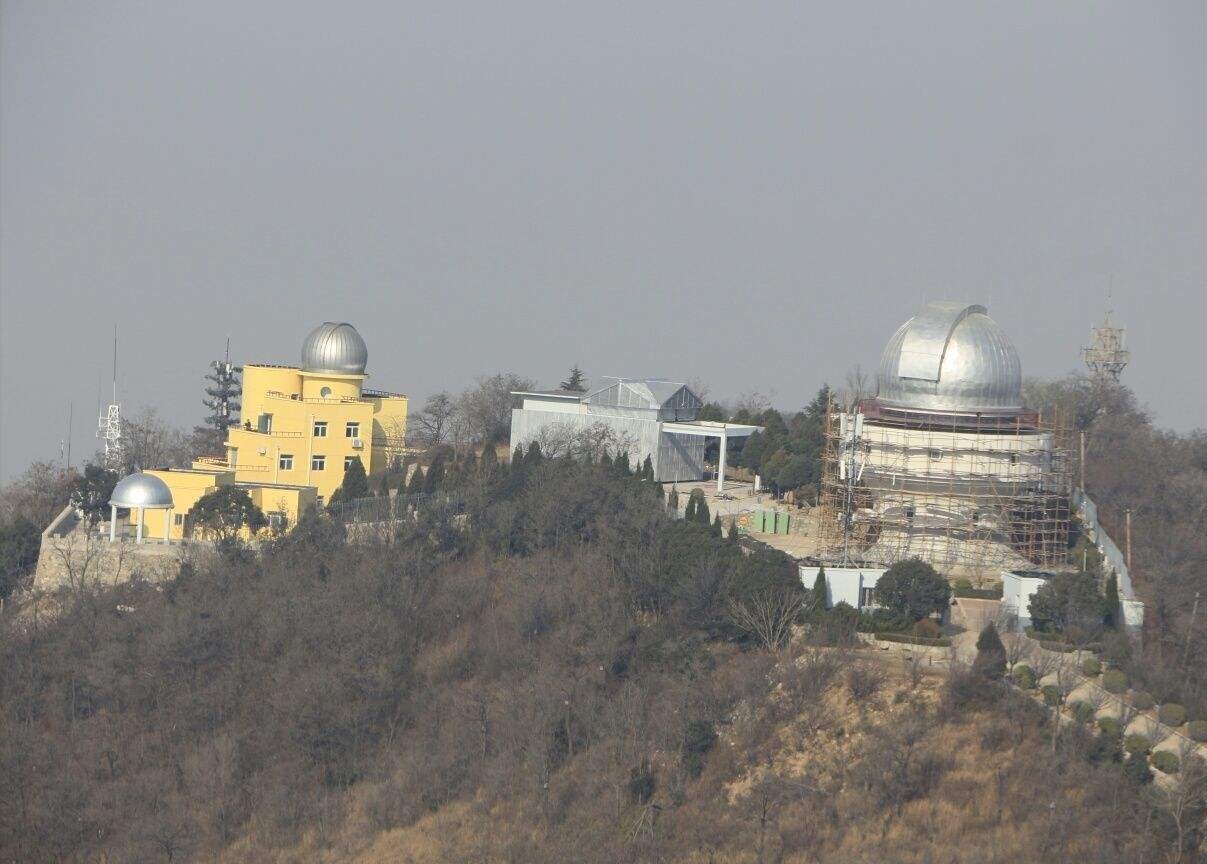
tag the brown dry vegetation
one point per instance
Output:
(561, 681)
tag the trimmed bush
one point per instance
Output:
(1165, 762)
(1142, 701)
(1137, 744)
(1052, 695)
(1172, 714)
(913, 640)
(1083, 712)
(1024, 677)
(1114, 681)
(1110, 725)
(1197, 730)
(1091, 666)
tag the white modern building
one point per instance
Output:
(641, 416)
(854, 586)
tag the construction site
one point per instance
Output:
(945, 463)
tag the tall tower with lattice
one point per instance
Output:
(109, 424)
(1106, 356)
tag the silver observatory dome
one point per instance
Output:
(335, 348)
(141, 490)
(951, 357)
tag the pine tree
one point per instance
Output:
(535, 455)
(355, 485)
(717, 529)
(576, 381)
(689, 512)
(416, 484)
(489, 462)
(383, 486)
(647, 469)
(702, 514)
(517, 458)
(605, 460)
(672, 500)
(819, 589)
(434, 478)
(622, 462)
(1111, 603)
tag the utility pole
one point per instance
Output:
(1081, 463)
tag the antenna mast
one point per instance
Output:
(109, 424)
(1106, 356)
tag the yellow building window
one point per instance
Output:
(352, 429)
(320, 428)
(285, 462)
(318, 463)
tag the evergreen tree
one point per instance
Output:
(576, 381)
(990, 659)
(434, 478)
(383, 486)
(622, 463)
(672, 500)
(535, 455)
(1111, 615)
(489, 462)
(416, 484)
(717, 529)
(517, 458)
(647, 469)
(819, 590)
(702, 514)
(689, 512)
(605, 460)
(355, 485)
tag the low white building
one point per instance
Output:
(851, 585)
(1018, 587)
(645, 417)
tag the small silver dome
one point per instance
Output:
(951, 357)
(334, 347)
(141, 490)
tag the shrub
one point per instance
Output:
(1091, 666)
(1137, 744)
(1110, 726)
(1052, 695)
(1197, 730)
(1114, 681)
(1024, 677)
(1165, 762)
(1142, 701)
(698, 739)
(1083, 712)
(1172, 714)
(944, 642)
(928, 628)
(990, 659)
(1137, 770)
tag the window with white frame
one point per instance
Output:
(320, 428)
(352, 429)
(318, 463)
(285, 462)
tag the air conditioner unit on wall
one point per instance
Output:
(358, 444)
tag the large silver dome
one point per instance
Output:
(951, 357)
(141, 490)
(334, 347)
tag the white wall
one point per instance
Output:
(843, 584)
(1017, 591)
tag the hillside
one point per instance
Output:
(557, 677)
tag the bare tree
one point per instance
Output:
(149, 442)
(435, 417)
(767, 616)
(856, 387)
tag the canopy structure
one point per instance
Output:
(713, 429)
(141, 492)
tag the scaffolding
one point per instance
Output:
(971, 494)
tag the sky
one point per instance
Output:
(750, 195)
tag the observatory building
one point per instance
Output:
(303, 427)
(945, 463)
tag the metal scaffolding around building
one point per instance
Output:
(972, 494)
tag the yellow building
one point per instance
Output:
(283, 504)
(303, 426)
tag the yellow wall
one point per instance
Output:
(293, 400)
(189, 485)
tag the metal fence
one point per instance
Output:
(389, 508)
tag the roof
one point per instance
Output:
(141, 490)
(951, 357)
(335, 347)
(655, 393)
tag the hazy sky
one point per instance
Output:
(754, 195)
